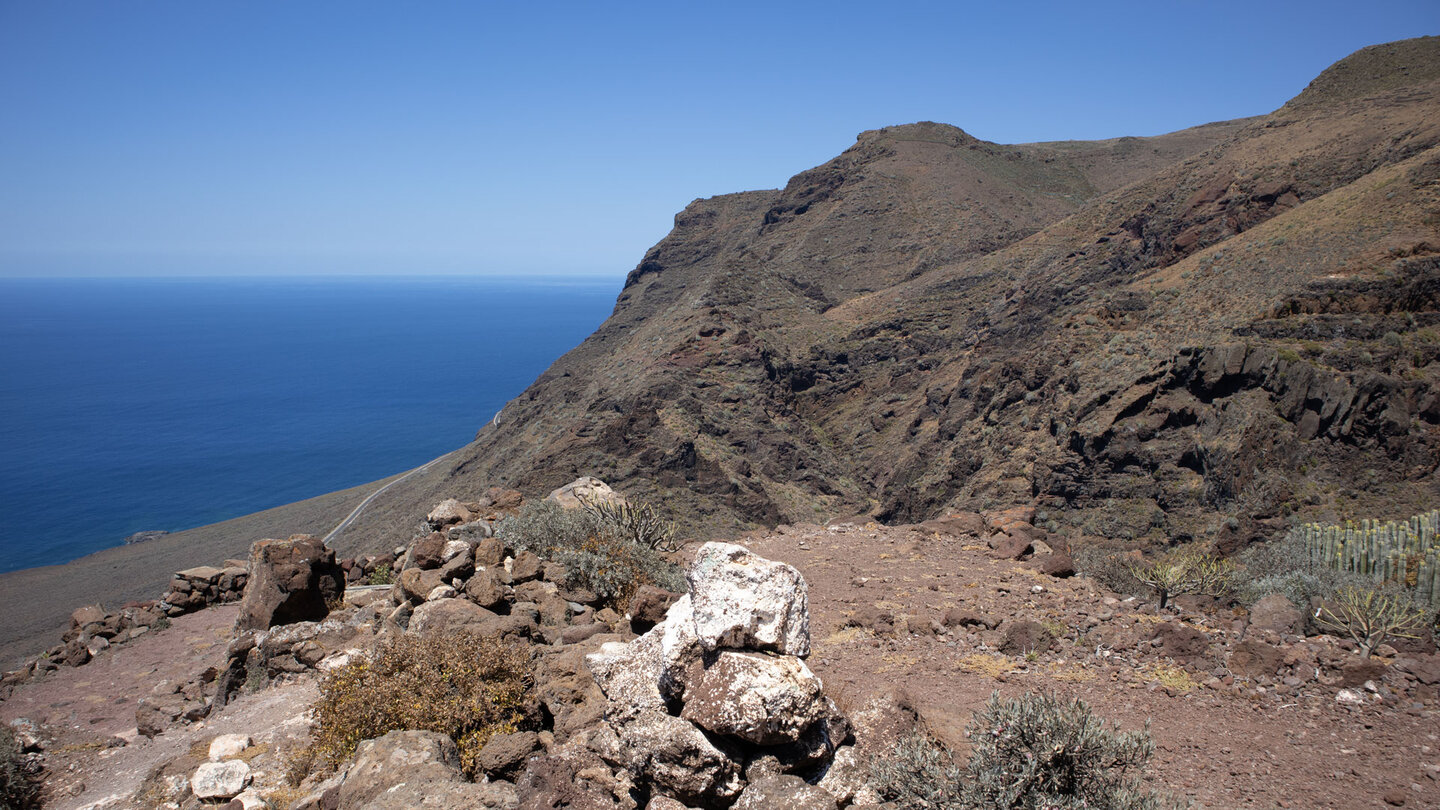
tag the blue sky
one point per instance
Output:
(224, 137)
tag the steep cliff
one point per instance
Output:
(1196, 333)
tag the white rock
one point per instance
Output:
(252, 800)
(744, 601)
(1349, 697)
(449, 512)
(98, 645)
(228, 746)
(453, 549)
(440, 592)
(338, 659)
(679, 758)
(220, 780)
(846, 775)
(586, 488)
(764, 699)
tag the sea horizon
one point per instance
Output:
(162, 403)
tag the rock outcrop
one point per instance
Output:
(719, 683)
(290, 581)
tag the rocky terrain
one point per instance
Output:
(1160, 338)
(797, 657)
(907, 392)
(1200, 335)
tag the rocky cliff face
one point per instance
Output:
(1195, 333)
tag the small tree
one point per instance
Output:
(1369, 616)
(1180, 572)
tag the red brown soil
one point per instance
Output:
(1222, 750)
(85, 711)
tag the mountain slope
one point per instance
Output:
(1172, 336)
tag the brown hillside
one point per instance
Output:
(1148, 336)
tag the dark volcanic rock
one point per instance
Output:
(290, 581)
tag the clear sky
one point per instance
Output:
(226, 137)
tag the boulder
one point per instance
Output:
(1017, 546)
(1059, 565)
(585, 489)
(1255, 659)
(527, 566)
(1276, 614)
(743, 601)
(504, 755)
(416, 758)
(485, 589)
(572, 776)
(789, 792)
(220, 780)
(958, 524)
(648, 606)
(447, 796)
(291, 580)
(1181, 641)
(678, 758)
(444, 615)
(228, 746)
(449, 512)
(428, 552)
(761, 698)
(87, 615)
(1356, 671)
(489, 552)
(416, 584)
(1025, 636)
(960, 617)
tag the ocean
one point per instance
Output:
(129, 405)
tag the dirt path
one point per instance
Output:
(88, 709)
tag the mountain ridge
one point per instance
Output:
(1197, 335)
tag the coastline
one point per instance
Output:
(39, 600)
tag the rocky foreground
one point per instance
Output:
(796, 658)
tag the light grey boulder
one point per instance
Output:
(678, 759)
(449, 512)
(760, 698)
(228, 746)
(585, 489)
(744, 601)
(423, 759)
(220, 780)
(789, 792)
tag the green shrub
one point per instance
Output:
(382, 575)
(917, 772)
(17, 789)
(595, 556)
(1039, 751)
(453, 683)
(638, 523)
(1183, 571)
(1369, 616)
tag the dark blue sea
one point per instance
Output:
(139, 404)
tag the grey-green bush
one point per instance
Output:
(1107, 568)
(1284, 567)
(917, 772)
(1039, 751)
(17, 791)
(594, 555)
